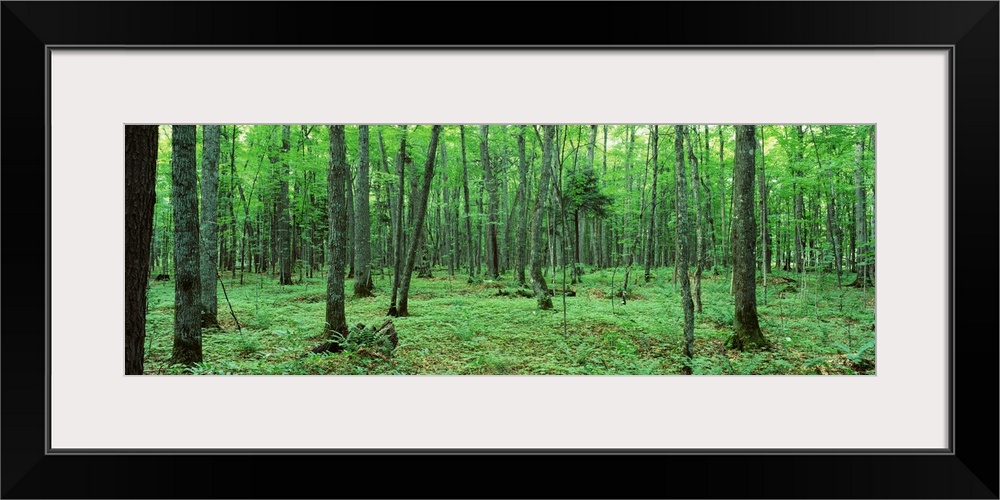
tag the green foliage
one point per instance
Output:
(583, 193)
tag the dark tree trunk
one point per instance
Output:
(336, 317)
(492, 255)
(209, 222)
(449, 221)
(522, 231)
(401, 160)
(765, 234)
(284, 245)
(468, 218)
(747, 333)
(542, 292)
(682, 246)
(651, 235)
(419, 212)
(362, 223)
(187, 261)
(140, 197)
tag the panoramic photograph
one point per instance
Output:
(500, 249)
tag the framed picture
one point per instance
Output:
(924, 74)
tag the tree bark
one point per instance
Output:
(362, 223)
(681, 243)
(397, 275)
(865, 256)
(187, 261)
(799, 209)
(492, 254)
(542, 292)
(209, 223)
(747, 333)
(700, 247)
(468, 217)
(284, 246)
(336, 316)
(651, 235)
(140, 198)
(419, 212)
(522, 232)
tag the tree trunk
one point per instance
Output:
(187, 261)
(522, 231)
(362, 223)
(140, 197)
(449, 222)
(799, 209)
(336, 316)
(765, 236)
(542, 292)
(832, 228)
(419, 212)
(865, 256)
(747, 333)
(651, 235)
(397, 275)
(700, 248)
(492, 254)
(284, 244)
(681, 243)
(209, 222)
(468, 217)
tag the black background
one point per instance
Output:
(971, 472)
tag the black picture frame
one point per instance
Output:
(969, 470)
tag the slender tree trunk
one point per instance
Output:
(522, 232)
(722, 195)
(284, 246)
(336, 316)
(419, 212)
(209, 222)
(651, 235)
(833, 229)
(541, 290)
(468, 215)
(492, 254)
(864, 277)
(362, 224)
(700, 248)
(449, 220)
(747, 333)
(140, 198)
(682, 245)
(765, 236)
(187, 260)
(799, 209)
(401, 160)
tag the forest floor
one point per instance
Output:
(459, 328)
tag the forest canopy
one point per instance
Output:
(500, 249)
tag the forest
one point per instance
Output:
(489, 249)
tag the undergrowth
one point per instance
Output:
(458, 327)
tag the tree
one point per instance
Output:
(468, 217)
(747, 334)
(209, 222)
(650, 236)
(419, 212)
(362, 224)
(541, 290)
(336, 316)
(187, 261)
(522, 225)
(681, 243)
(492, 256)
(140, 197)
(865, 275)
(284, 246)
(700, 248)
